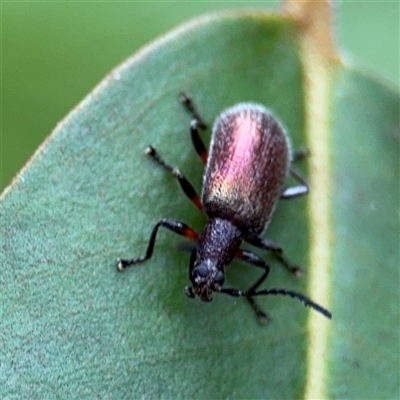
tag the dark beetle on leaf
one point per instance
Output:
(245, 174)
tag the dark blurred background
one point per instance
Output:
(54, 53)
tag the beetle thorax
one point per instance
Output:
(219, 241)
(217, 246)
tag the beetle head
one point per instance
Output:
(206, 278)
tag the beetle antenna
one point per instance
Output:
(283, 292)
(295, 295)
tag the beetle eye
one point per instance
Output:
(219, 278)
(201, 271)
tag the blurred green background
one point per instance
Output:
(54, 53)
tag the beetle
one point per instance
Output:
(246, 169)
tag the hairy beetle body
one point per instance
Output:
(245, 175)
(247, 167)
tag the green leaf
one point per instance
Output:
(72, 326)
(364, 340)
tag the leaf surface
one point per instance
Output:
(74, 326)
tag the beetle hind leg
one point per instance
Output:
(296, 191)
(300, 154)
(302, 189)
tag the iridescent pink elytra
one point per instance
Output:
(247, 167)
(245, 174)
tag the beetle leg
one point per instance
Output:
(198, 142)
(300, 190)
(175, 226)
(251, 258)
(196, 124)
(257, 261)
(300, 154)
(276, 251)
(185, 184)
(296, 191)
(187, 101)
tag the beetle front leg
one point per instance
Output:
(253, 259)
(175, 226)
